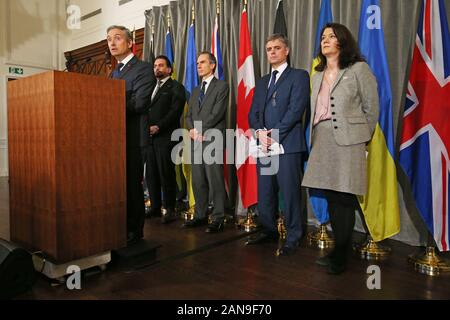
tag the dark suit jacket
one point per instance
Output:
(213, 110)
(166, 110)
(286, 104)
(139, 79)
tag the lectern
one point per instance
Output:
(66, 144)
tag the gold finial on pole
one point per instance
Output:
(245, 4)
(193, 12)
(168, 20)
(218, 7)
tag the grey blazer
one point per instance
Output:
(354, 104)
(212, 112)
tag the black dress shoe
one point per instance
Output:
(133, 238)
(335, 268)
(287, 249)
(324, 261)
(261, 237)
(214, 227)
(195, 223)
(169, 217)
(154, 213)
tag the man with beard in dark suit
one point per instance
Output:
(167, 103)
(139, 80)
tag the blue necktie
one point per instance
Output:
(201, 96)
(116, 71)
(272, 84)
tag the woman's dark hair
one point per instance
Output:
(350, 52)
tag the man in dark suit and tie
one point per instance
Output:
(139, 79)
(167, 103)
(207, 110)
(279, 102)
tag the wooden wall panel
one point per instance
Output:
(96, 59)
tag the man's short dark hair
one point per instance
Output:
(212, 59)
(278, 36)
(166, 59)
(127, 31)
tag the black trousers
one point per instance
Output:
(342, 207)
(135, 192)
(160, 175)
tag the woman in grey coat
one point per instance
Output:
(344, 113)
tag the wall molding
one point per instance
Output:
(54, 43)
(4, 154)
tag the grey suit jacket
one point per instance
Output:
(212, 112)
(354, 104)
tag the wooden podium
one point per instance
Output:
(66, 134)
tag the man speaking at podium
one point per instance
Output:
(139, 79)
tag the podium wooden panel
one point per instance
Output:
(66, 143)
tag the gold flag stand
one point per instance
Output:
(281, 227)
(189, 214)
(429, 262)
(249, 224)
(371, 250)
(320, 238)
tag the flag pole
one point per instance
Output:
(249, 223)
(320, 238)
(189, 213)
(228, 217)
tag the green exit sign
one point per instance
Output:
(15, 70)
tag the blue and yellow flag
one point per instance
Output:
(190, 82)
(169, 52)
(380, 205)
(316, 198)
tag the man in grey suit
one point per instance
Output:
(207, 111)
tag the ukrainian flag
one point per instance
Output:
(170, 54)
(316, 198)
(190, 82)
(380, 205)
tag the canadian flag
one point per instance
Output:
(245, 164)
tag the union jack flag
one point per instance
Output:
(425, 143)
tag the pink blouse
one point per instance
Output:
(323, 110)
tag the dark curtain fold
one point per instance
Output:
(399, 22)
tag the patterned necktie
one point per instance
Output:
(272, 83)
(201, 96)
(116, 71)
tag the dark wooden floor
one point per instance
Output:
(194, 265)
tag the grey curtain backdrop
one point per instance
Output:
(399, 22)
